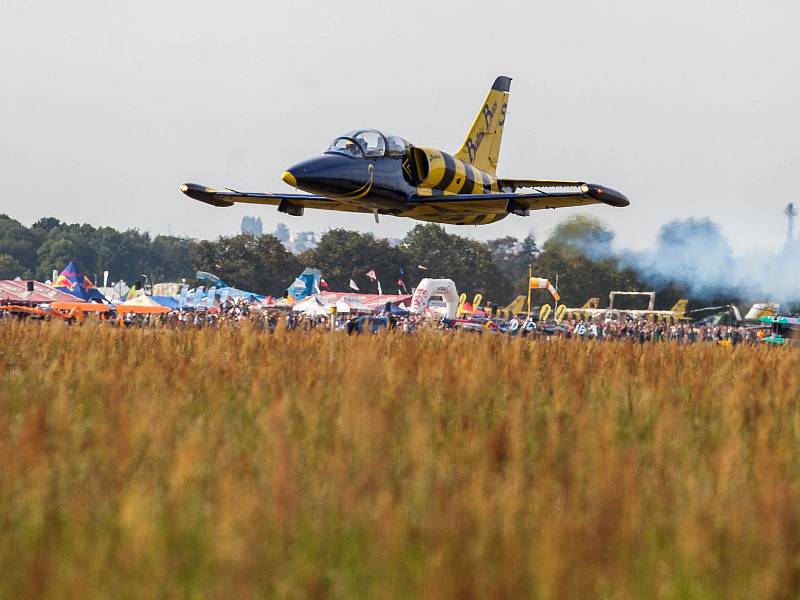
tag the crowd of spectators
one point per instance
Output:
(650, 331)
(235, 312)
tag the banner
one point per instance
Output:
(306, 284)
(198, 296)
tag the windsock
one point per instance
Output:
(538, 283)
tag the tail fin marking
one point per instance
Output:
(482, 147)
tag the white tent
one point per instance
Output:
(313, 306)
(349, 304)
(111, 294)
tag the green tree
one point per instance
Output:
(512, 256)
(580, 277)
(580, 256)
(47, 224)
(65, 243)
(259, 264)
(170, 258)
(54, 254)
(467, 262)
(19, 243)
(584, 234)
(342, 255)
(10, 267)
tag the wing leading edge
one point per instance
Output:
(546, 194)
(292, 204)
(458, 208)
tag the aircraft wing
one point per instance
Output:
(290, 203)
(546, 194)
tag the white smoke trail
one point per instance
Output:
(695, 255)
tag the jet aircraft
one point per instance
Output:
(366, 171)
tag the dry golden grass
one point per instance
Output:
(221, 464)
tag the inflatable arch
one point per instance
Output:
(435, 287)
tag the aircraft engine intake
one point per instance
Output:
(442, 172)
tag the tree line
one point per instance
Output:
(498, 268)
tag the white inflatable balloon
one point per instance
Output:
(428, 288)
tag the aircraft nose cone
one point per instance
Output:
(289, 178)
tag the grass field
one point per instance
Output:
(220, 464)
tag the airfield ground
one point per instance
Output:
(154, 463)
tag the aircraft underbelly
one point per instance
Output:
(453, 218)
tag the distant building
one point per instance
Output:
(282, 232)
(791, 212)
(302, 241)
(252, 225)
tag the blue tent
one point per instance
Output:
(168, 301)
(393, 309)
(72, 281)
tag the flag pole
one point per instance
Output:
(555, 302)
(529, 292)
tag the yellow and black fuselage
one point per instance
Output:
(366, 171)
(402, 185)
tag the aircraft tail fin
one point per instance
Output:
(680, 307)
(592, 303)
(482, 147)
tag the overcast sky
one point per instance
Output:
(689, 107)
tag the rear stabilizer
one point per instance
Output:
(680, 307)
(481, 148)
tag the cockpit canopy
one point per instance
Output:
(369, 143)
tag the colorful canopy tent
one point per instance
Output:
(72, 281)
(142, 304)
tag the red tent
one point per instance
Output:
(16, 290)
